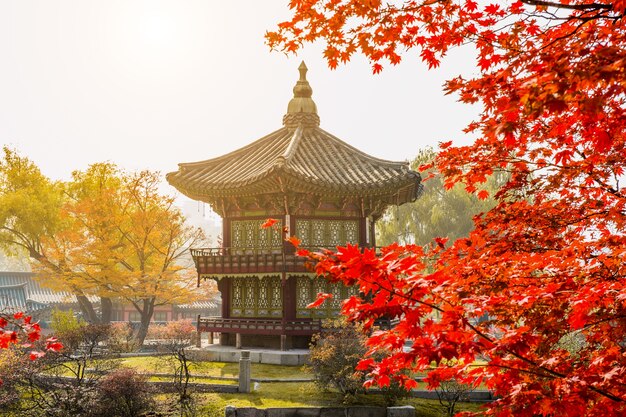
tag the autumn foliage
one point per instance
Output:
(546, 265)
(20, 331)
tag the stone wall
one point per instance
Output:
(405, 411)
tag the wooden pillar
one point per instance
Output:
(238, 340)
(289, 298)
(223, 285)
(226, 232)
(198, 333)
(283, 342)
(363, 237)
(210, 338)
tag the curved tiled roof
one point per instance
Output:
(20, 291)
(299, 157)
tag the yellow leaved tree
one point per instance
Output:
(106, 234)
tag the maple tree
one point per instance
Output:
(18, 331)
(546, 265)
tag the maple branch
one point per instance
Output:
(583, 7)
(466, 322)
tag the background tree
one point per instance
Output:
(30, 211)
(547, 260)
(126, 240)
(155, 266)
(106, 234)
(438, 212)
(80, 256)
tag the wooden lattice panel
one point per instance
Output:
(307, 289)
(327, 233)
(254, 296)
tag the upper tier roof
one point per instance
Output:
(299, 157)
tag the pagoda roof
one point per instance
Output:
(298, 157)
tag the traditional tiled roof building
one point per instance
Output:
(19, 291)
(319, 188)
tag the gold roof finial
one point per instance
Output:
(301, 105)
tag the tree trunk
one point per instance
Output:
(106, 306)
(86, 307)
(146, 315)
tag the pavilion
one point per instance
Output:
(318, 188)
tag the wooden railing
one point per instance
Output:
(246, 260)
(259, 326)
(219, 261)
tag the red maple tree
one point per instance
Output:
(538, 289)
(19, 330)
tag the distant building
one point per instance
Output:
(20, 291)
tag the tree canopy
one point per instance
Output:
(438, 212)
(546, 264)
(106, 233)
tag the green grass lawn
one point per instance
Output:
(275, 394)
(217, 369)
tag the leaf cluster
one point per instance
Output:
(546, 261)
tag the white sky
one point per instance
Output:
(148, 84)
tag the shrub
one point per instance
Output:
(64, 321)
(451, 392)
(66, 383)
(173, 339)
(334, 356)
(179, 331)
(123, 393)
(11, 366)
(86, 338)
(121, 338)
(393, 393)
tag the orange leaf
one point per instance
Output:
(294, 241)
(321, 297)
(269, 223)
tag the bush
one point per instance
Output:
(121, 338)
(11, 375)
(65, 385)
(64, 321)
(123, 393)
(451, 392)
(334, 356)
(173, 339)
(179, 332)
(65, 400)
(85, 339)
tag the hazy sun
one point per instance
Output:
(156, 30)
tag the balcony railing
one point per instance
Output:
(220, 261)
(259, 326)
(273, 327)
(246, 260)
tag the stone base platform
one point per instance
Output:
(218, 353)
